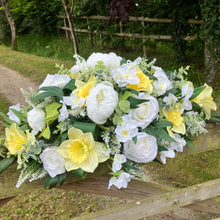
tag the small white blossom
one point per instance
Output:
(74, 101)
(12, 115)
(126, 74)
(170, 99)
(120, 181)
(63, 113)
(117, 163)
(127, 130)
(162, 84)
(164, 154)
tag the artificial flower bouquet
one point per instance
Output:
(105, 109)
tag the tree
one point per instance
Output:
(11, 23)
(71, 23)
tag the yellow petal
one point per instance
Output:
(74, 133)
(99, 150)
(181, 129)
(91, 163)
(69, 165)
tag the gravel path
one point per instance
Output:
(10, 84)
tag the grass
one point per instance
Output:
(30, 65)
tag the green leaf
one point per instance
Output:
(48, 92)
(62, 178)
(124, 105)
(162, 148)
(134, 102)
(50, 182)
(52, 112)
(85, 127)
(197, 91)
(190, 143)
(70, 85)
(19, 115)
(214, 119)
(163, 124)
(9, 121)
(123, 60)
(5, 163)
(79, 172)
(134, 139)
(161, 133)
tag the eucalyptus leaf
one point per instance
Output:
(196, 92)
(79, 172)
(19, 115)
(50, 182)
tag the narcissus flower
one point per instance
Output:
(174, 116)
(16, 139)
(205, 101)
(81, 151)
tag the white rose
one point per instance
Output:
(146, 112)
(55, 80)
(111, 60)
(35, 118)
(144, 151)
(12, 115)
(53, 162)
(101, 102)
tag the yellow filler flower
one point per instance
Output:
(15, 139)
(81, 151)
(205, 101)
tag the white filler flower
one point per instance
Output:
(120, 181)
(35, 118)
(101, 102)
(53, 162)
(144, 151)
(111, 60)
(117, 163)
(146, 112)
(12, 115)
(162, 84)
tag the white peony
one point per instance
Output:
(146, 112)
(121, 181)
(35, 118)
(101, 102)
(111, 60)
(162, 84)
(127, 130)
(55, 80)
(144, 151)
(53, 162)
(12, 115)
(117, 162)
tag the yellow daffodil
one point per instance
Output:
(83, 89)
(205, 101)
(145, 83)
(81, 151)
(15, 139)
(174, 116)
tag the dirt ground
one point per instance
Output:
(10, 84)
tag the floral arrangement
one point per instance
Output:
(105, 109)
